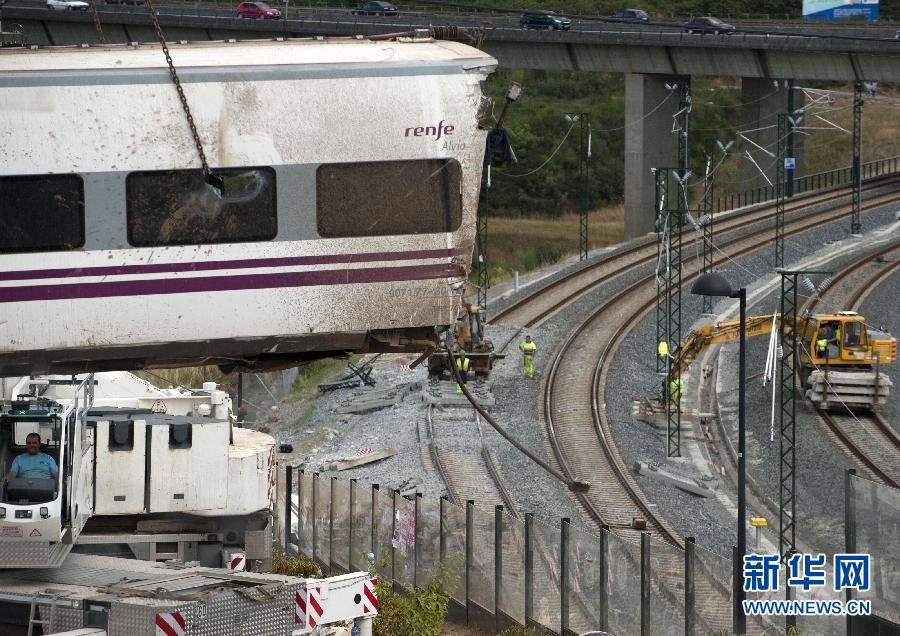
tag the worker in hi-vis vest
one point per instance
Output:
(462, 365)
(676, 388)
(528, 348)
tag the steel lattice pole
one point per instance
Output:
(585, 185)
(707, 211)
(858, 101)
(481, 243)
(662, 258)
(673, 304)
(780, 188)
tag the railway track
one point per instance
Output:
(467, 473)
(576, 421)
(864, 435)
(533, 309)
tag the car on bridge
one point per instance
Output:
(707, 25)
(376, 8)
(67, 5)
(546, 20)
(631, 15)
(257, 11)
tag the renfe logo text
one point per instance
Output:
(428, 131)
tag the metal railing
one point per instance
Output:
(809, 183)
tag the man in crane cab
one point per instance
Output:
(821, 341)
(33, 464)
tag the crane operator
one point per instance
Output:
(33, 464)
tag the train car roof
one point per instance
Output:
(244, 53)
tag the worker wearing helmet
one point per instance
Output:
(528, 349)
(462, 365)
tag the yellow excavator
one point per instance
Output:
(839, 355)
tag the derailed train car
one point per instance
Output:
(343, 218)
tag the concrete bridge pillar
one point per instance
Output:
(762, 100)
(649, 143)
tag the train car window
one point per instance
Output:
(377, 198)
(178, 207)
(41, 213)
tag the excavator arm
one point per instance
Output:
(718, 333)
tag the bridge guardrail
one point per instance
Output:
(808, 183)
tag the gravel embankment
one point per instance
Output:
(328, 435)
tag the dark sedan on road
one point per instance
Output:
(707, 25)
(375, 8)
(257, 11)
(631, 15)
(545, 20)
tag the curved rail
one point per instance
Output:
(622, 486)
(532, 309)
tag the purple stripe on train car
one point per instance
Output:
(227, 283)
(203, 266)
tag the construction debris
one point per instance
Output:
(653, 412)
(687, 484)
(368, 401)
(353, 462)
(355, 376)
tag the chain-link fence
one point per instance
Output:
(503, 569)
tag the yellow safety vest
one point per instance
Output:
(821, 343)
(463, 364)
(676, 386)
(528, 348)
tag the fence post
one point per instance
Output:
(645, 584)
(470, 532)
(442, 537)
(498, 564)
(373, 538)
(564, 575)
(394, 494)
(331, 528)
(529, 566)
(689, 587)
(604, 578)
(315, 529)
(417, 537)
(849, 532)
(737, 567)
(350, 525)
(288, 511)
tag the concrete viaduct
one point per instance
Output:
(651, 58)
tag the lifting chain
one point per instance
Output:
(100, 37)
(187, 111)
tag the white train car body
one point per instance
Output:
(346, 221)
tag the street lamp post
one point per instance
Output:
(712, 284)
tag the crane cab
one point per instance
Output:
(844, 340)
(40, 518)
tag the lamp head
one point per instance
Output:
(711, 284)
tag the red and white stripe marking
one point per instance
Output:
(308, 607)
(300, 608)
(370, 598)
(364, 450)
(170, 624)
(238, 563)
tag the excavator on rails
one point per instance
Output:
(839, 356)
